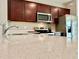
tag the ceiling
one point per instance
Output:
(59, 3)
(56, 1)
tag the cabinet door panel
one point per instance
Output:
(63, 11)
(30, 17)
(16, 10)
(54, 12)
(43, 8)
(30, 11)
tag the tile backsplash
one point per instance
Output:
(30, 25)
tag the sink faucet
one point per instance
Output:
(6, 29)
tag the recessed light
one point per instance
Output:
(56, 9)
(30, 0)
(32, 5)
(71, 4)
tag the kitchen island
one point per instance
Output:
(37, 46)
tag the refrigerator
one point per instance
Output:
(70, 24)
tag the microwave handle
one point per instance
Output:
(50, 18)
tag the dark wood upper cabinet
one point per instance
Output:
(15, 10)
(20, 10)
(63, 11)
(43, 8)
(54, 12)
(30, 12)
(58, 12)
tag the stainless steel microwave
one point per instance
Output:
(44, 17)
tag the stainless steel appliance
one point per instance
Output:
(70, 23)
(44, 17)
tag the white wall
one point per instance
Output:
(3, 16)
(3, 11)
(29, 25)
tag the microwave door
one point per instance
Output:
(42, 17)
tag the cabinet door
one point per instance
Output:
(54, 12)
(30, 12)
(63, 11)
(16, 10)
(43, 8)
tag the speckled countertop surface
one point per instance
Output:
(37, 47)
